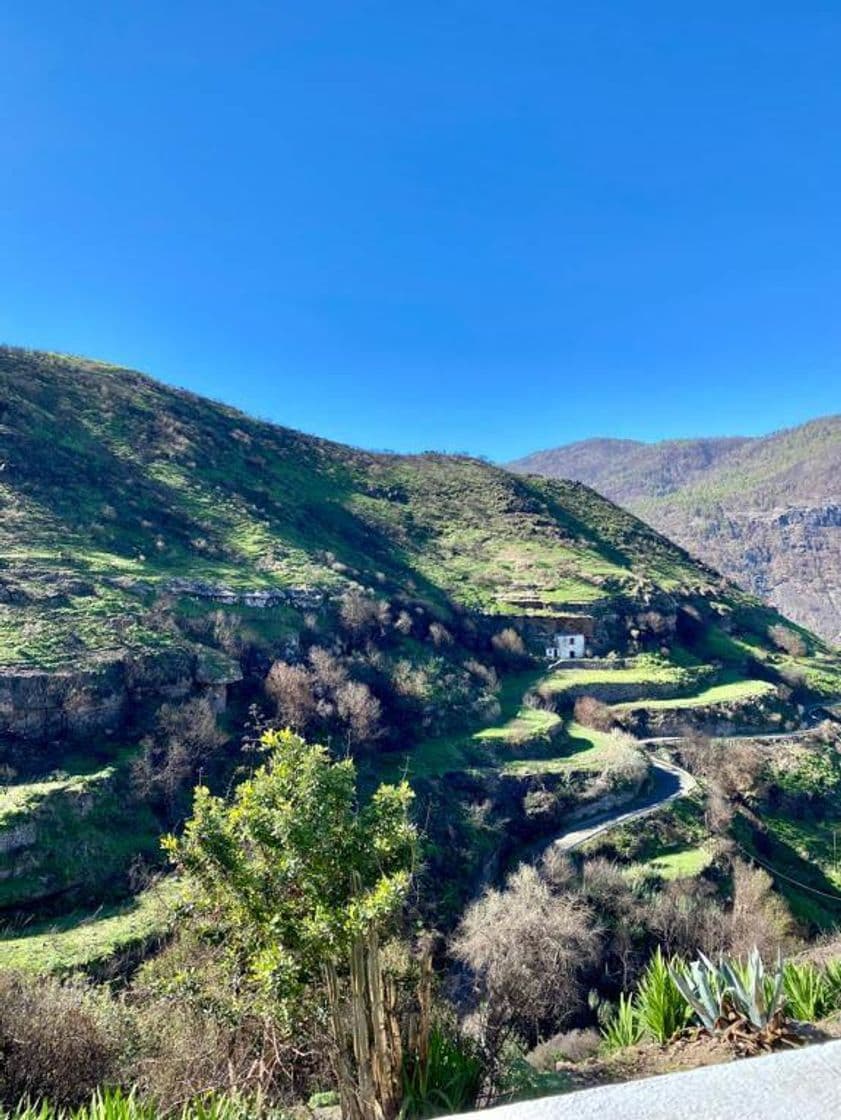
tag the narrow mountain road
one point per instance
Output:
(669, 782)
(812, 716)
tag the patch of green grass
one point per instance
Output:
(82, 829)
(19, 801)
(643, 671)
(730, 693)
(83, 940)
(682, 863)
(821, 675)
(528, 726)
(583, 750)
(817, 842)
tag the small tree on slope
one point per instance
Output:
(303, 881)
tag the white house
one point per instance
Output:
(566, 647)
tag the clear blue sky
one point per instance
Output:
(469, 225)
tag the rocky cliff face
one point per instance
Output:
(42, 706)
(790, 557)
(766, 511)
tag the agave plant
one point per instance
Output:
(701, 987)
(734, 996)
(755, 995)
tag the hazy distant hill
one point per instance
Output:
(765, 511)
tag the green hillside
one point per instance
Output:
(114, 485)
(162, 556)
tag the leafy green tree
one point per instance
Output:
(302, 880)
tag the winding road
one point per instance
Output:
(668, 783)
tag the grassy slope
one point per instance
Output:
(114, 484)
(81, 940)
(726, 693)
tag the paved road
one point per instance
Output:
(669, 782)
(804, 1083)
(814, 715)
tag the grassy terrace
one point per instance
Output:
(729, 693)
(583, 750)
(17, 801)
(644, 671)
(86, 940)
(817, 842)
(517, 726)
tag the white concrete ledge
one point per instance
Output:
(797, 1085)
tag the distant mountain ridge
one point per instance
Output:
(764, 510)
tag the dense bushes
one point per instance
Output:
(58, 1041)
(528, 947)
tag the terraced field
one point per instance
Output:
(681, 863)
(89, 940)
(525, 742)
(728, 693)
(581, 748)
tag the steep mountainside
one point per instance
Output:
(115, 487)
(765, 511)
(128, 507)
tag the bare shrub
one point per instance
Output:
(758, 916)
(733, 767)
(558, 869)
(626, 767)
(193, 724)
(403, 623)
(361, 615)
(606, 888)
(527, 948)
(590, 712)
(188, 1053)
(361, 712)
(290, 688)
(186, 736)
(686, 918)
(569, 1046)
(329, 674)
(485, 673)
(57, 1041)
(439, 635)
(718, 812)
(787, 640)
(509, 645)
